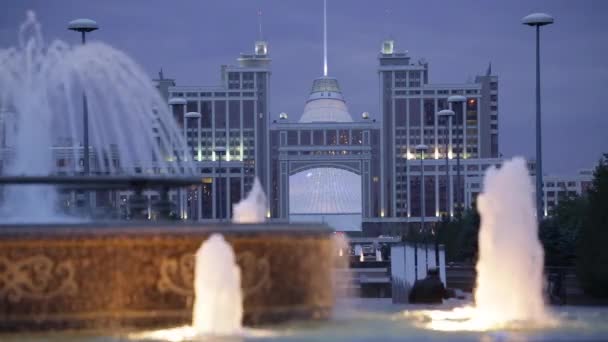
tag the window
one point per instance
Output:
(248, 114)
(429, 112)
(248, 80)
(191, 106)
(332, 138)
(305, 138)
(220, 114)
(292, 138)
(356, 137)
(400, 79)
(318, 138)
(414, 112)
(400, 113)
(205, 114)
(234, 80)
(234, 108)
(343, 137)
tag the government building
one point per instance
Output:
(380, 172)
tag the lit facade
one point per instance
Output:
(409, 104)
(226, 128)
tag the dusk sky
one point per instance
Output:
(190, 39)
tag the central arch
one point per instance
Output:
(326, 194)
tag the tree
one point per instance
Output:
(592, 261)
(460, 236)
(559, 233)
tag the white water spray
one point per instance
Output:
(510, 263)
(41, 95)
(218, 303)
(253, 208)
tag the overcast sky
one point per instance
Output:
(190, 39)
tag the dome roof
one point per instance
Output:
(325, 190)
(325, 103)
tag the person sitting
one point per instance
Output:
(429, 290)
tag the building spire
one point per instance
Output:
(260, 35)
(325, 38)
(388, 23)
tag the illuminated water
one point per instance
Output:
(253, 208)
(376, 320)
(218, 300)
(508, 292)
(218, 303)
(41, 104)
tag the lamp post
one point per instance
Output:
(421, 149)
(219, 150)
(190, 115)
(537, 20)
(447, 114)
(187, 117)
(84, 26)
(457, 100)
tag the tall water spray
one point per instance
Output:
(510, 261)
(41, 87)
(510, 264)
(253, 208)
(218, 303)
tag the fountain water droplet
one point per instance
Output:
(510, 263)
(41, 104)
(252, 209)
(218, 304)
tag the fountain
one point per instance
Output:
(41, 94)
(218, 301)
(510, 264)
(58, 273)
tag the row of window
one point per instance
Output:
(214, 94)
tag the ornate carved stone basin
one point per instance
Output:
(136, 275)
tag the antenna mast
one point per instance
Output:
(325, 38)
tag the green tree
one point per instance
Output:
(592, 261)
(559, 233)
(460, 236)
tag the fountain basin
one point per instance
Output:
(116, 275)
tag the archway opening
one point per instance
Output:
(328, 195)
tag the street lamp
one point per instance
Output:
(83, 26)
(457, 100)
(537, 20)
(189, 115)
(219, 150)
(447, 114)
(421, 149)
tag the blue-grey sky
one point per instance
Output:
(190, 39)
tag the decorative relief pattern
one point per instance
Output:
(177, 274)
(36, 277)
